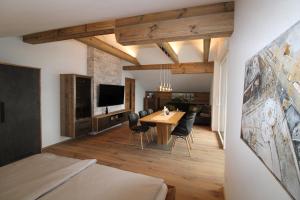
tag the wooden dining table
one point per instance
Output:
(164, 124)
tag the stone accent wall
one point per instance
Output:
(105, 69)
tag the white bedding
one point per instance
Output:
(51, 177)
(107, 183)
(34, 176)
(162, 193)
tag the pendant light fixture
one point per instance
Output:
(160, 76)
(164, 86)
(165, 80)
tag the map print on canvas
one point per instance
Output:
(271, 108)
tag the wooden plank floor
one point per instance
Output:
(198, 177)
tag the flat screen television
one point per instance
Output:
(110, 95)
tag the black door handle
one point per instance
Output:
(2, 112)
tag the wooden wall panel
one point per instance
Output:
(130, 94)
(67, 105)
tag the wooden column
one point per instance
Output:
(206, 48)
(163, 133)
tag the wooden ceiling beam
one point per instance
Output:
(103, 46)
(168, 51)
(194, 68)
(206, 49)
(182, 68)
(176, 14)
(208, 21)
(86, 30)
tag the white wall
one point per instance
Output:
(139, 96)
(53, 59)
(215, 97)
(257, 23)
(150, 80)
(221, 52)
(223, 100)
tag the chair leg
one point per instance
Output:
(147, 137)
(142, 146)
(187, 145)
(190, 143)
(173, 144)
(191, 139)
(188, 140)
(192, 136)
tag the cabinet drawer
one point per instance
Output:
(103, 122)
(83, 127)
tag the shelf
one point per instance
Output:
(106, 121)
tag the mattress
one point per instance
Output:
(34, 176)
(49, 177)
(103, 182)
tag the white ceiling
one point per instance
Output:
(19, 17)
(187, 51)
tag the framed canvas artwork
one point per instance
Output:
(271, 108)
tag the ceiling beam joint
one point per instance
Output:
(103, 46)
(206, 49)
(168, 51)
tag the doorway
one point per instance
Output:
(130, 94)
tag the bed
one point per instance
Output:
(50, 177)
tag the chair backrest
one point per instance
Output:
(193, 115)
(150, 111)
(133, 119)
(189, 120)
(186, 124)
(143, 113)
(193, 108)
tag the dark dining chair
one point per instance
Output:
(188, 114)
(193, 109)
(137, 129)
(150, 111)
(192, 131)
(144, 113)
(183, 130)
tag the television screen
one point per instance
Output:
(110, 95)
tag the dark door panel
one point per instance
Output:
(21, 130)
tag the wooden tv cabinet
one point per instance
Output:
(106, 121)
(76, 105)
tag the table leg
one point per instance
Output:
(163, 133)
